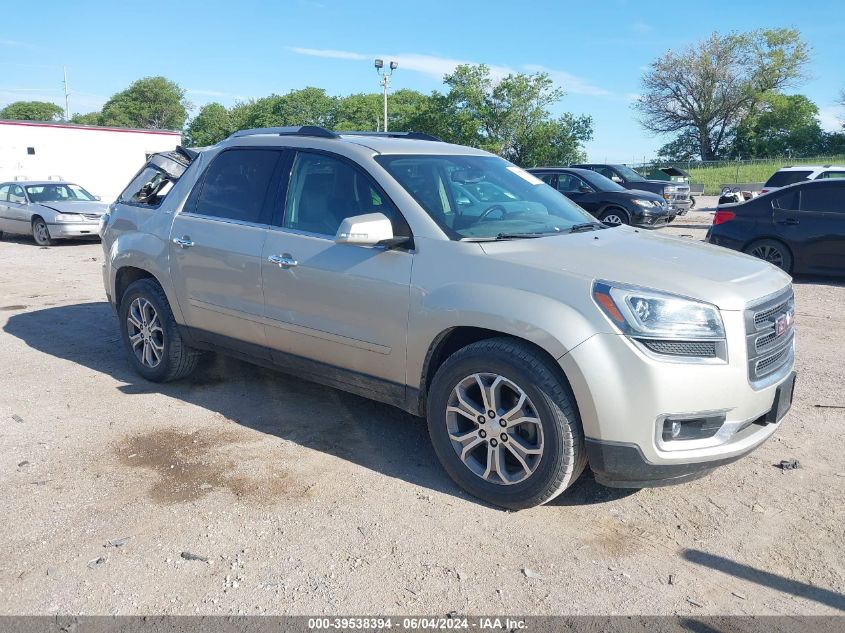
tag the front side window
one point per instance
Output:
(324, 191)
(570, 183)
(57, 193)
(236, 185)
(447, 188)
(16, 194)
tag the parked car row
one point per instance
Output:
(450, 283)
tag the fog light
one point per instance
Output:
(678, 429)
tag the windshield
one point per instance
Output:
(628, 173)
(484, 197)
(57, 193)
(602, 183)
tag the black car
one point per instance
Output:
(676, 194)
(800, 228)
(611, 203)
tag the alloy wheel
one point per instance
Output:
(612, 219)
(494, 428)
(146, 336)
(769, 253)
(42, 234)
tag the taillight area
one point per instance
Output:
(723, 216)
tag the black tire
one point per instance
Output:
(177, 359)
(615, 212)
(563, 457)
(41, 232)
(772, 251)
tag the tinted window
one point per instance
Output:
(832, 175)
(546, 178)
(324, 191)
(824, 198)
(16, 194)
(236, 185)
(783, 178)
(4, 193)
(786, 201)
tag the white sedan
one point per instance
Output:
(49, 210)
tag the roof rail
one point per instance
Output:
(417, 136)
(291, 130)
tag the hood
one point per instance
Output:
(725, 278)
(93, 207)
(679, 185)
(642, 193)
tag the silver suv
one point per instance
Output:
(450, 283)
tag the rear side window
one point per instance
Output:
(786, 201)
(831, 175)
(236, 185)
(825, 198)
(4, 193)
(784, 178)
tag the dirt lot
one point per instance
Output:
(306, 500)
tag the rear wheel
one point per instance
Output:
(40, 233)
(504, 424)
(614, 217)
(773, 252)
(150, 335)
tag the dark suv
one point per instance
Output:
(603, 198)
(676, 194)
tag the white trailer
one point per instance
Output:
(100, 159)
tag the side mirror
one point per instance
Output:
(97, 198)
(584, 189)
(370, 229)
(616, 179)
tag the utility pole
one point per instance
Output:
(67, 94)
(385, 81)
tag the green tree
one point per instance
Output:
(212, 124)
(32, 111)
(361, 111)
(152, 103)
(91, 118)
(712, 86)
(509, 117)
(783, 125)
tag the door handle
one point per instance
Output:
(184, 241)
(792, 221)
(283, 261)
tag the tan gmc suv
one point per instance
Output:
(450, 283)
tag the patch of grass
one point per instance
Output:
(758, 171)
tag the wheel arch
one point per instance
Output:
(773, 238)
(455, 338)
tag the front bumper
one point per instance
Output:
(624, 395)
(65, 230)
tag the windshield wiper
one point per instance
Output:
(586, 226)
(508, 236)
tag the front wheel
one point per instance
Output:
(614, 217)
(152, 340)
(504, 424)
(40, 233)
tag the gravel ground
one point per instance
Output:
(297, 499)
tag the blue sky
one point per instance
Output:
(230, 51)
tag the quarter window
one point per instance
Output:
(324, 191)
(236, 185)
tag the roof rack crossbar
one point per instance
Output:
(416, 136)
(291, 130)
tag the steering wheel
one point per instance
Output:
(491, 209)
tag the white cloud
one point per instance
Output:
(642, 28)
(831, 118)
(436, 67)
(327, 52)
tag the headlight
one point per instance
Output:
(69, 217)
(670, 189)
(648, 204)
(663, 324)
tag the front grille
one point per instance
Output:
(701, 349)
(770, 350)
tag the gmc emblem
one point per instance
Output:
(784, 322)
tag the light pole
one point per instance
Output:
(385, 81)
